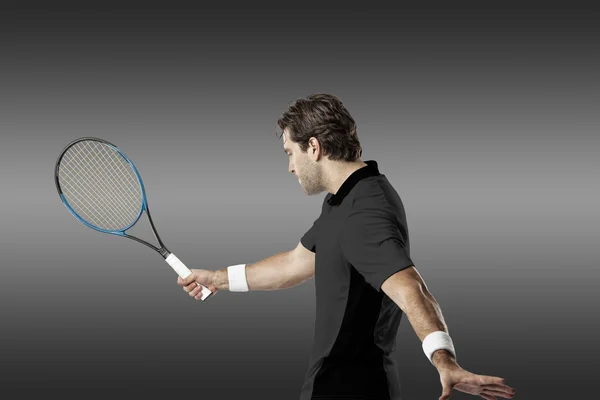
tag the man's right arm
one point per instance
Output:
(280, 271)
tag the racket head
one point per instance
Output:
(100, 185)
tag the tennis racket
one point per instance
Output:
(102, 188)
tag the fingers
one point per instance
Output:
(496, 386)
(187, 280)
(446, 391)
(499, 390)
(187, 287)
(445, 396)
(502, 388)
(484, 380)
(196, 292)
(188, 283)
(193, 289)
(497, 393)
(191, 286)
(491, 380)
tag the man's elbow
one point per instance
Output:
(403, 285)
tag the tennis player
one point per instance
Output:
(359, 254)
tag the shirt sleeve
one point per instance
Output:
(309, 240)
(375, 242)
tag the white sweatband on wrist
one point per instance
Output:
(237, 278)
(436, 341)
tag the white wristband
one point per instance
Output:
(436, 341)
(237, 278)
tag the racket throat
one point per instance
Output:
(164, 252)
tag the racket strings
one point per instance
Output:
(100, 185)
(105, 180)
(115, 179)
(131, 183)
(97, 191)
(86, 191)
(91, 191)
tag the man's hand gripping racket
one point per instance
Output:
(102, 188)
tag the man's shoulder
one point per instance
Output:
(369, 193)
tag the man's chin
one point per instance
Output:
(311, 193)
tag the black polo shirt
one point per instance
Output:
(359, 240)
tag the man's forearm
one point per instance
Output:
(425, 316)
(272, 273)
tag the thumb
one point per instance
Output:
(188, 279)
(206, 279)
(446, 392)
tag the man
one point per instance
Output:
(358, 251)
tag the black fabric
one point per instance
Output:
(371, 169)
(360, 239)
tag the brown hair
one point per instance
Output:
(324, 117)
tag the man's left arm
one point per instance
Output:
(373, 242)
(408, 290)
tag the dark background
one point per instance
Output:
(484, 118)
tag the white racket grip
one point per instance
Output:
(184, 272)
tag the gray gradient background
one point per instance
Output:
(485, 120)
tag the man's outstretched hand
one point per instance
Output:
(488, 387)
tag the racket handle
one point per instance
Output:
(184, 272)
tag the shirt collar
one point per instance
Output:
(369, 170)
